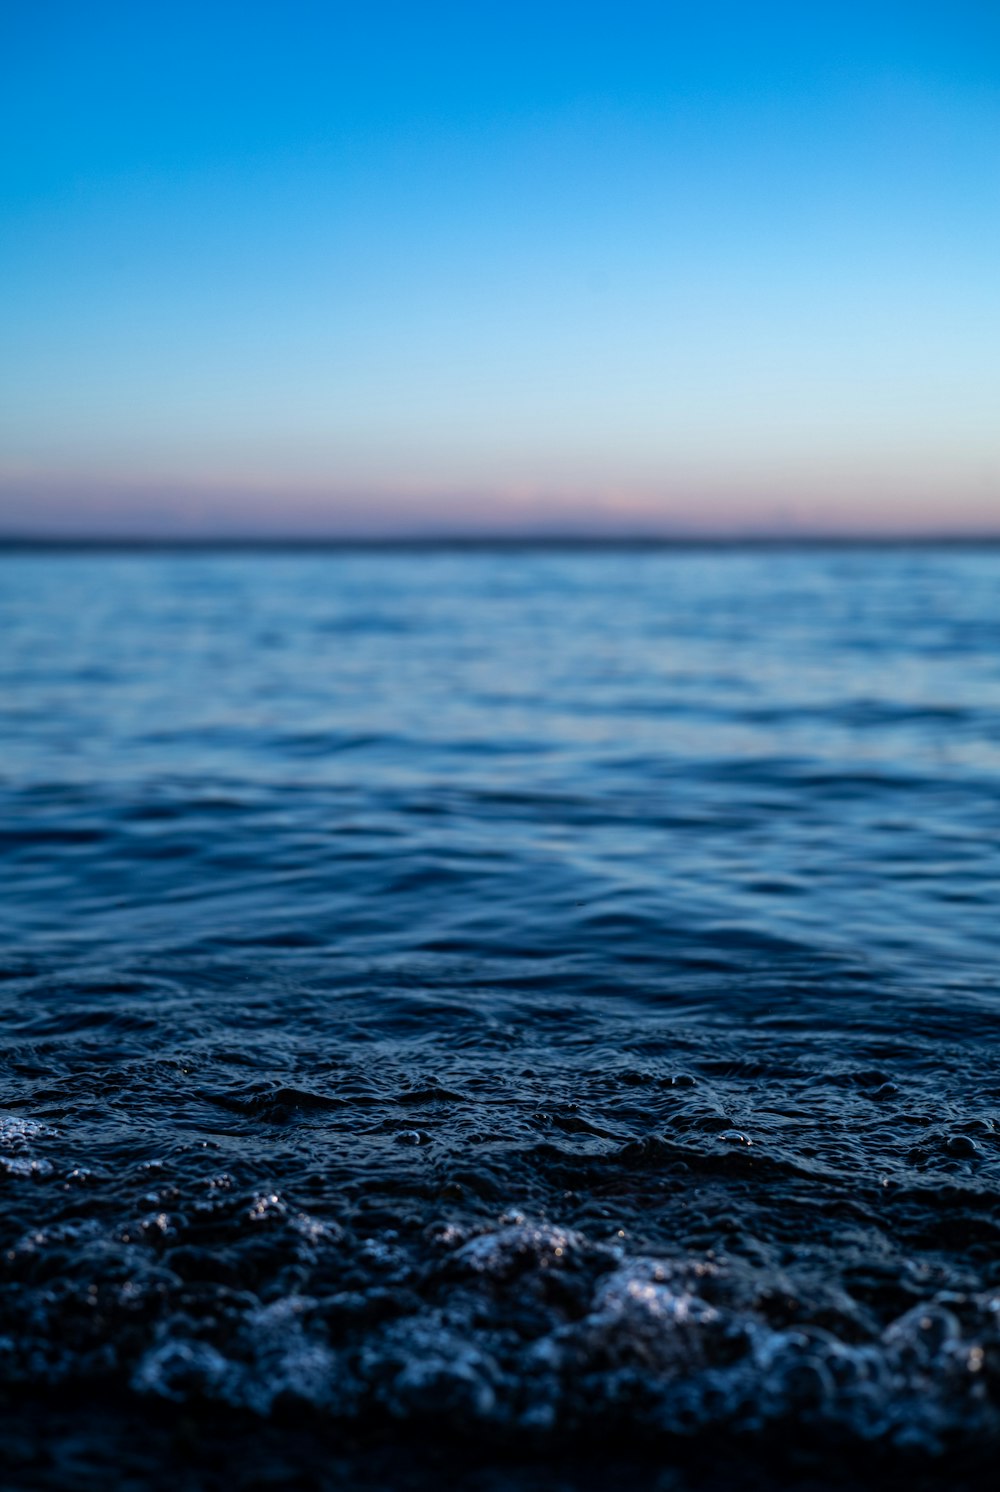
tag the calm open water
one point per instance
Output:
(510, 1005)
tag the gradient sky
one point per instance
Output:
(298, 267)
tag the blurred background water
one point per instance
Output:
(552, 990)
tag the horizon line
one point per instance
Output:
(11, 543)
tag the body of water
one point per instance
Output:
(506, 1004)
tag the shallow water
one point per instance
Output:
(524, 998)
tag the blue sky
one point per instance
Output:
(412, 268)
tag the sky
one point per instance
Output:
(727, 267)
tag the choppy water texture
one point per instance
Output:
(500, 1018)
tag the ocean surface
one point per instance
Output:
(510, 1018)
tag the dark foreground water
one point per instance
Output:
(502, 1019)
